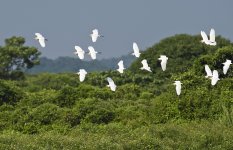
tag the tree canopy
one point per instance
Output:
(15, 58)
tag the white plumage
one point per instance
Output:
(92, 52)
(41, 39)
(111, 84)
(214, 78)
(210, 41)
(82, 74)
(121, 66)
(212, 37)
(163, 63)
(208, 72)
(226, 66)
(79, 51)
(178, 87)
(95, 35)
(145, 65)
(136, 52)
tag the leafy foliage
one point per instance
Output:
(15, 58)
(56, 111)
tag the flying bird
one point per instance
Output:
(92, 52)
(208, 72)
(178, 87)
(82, 74)
(136, 52)
(163, 59)
(111, 84)
(41, 39)
(145, 65)
(226, 66)
(210, 41)
(95, 35)
(79, 51)
(121, 66)
(214, 78)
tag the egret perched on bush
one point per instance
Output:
(163, 63)
(208, 72)
(214, 78)
(145, 65)
(226, 66)
(92, 52)
(178, 87)
(210, 41)
(82, 74)
(121, 66)
(136, 52)
(41, 39)
(111, 84)
(79, 51)
(95, 35)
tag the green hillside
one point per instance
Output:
(69, 64)
(56, 111)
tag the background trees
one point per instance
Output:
(15, 58)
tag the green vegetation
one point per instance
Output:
(56, 111)
(73, 64)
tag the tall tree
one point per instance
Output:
(15, 58)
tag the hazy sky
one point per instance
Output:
(67, 23)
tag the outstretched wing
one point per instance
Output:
(136, 49)
(208, 71)
(120, 64)
(204, 37)
(212, 35)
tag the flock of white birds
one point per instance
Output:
(136, 52)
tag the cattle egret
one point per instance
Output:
(163, 59)
(136, 52)
(79, 52)
(210, 41)
(145, 65)
(121, 66)
(111, 84)
(226, 66)
(95, 35)
(208, 72)
(92, 52)
(214, 78)
(82, 74)
(41, 39)
(178, 87)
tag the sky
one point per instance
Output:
(122, 22)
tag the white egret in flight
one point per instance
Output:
(136, 52)
(79, 51)
(92, 52)
(41, 39)
(121, 66)
(163, 59)
(226, 66)
(178, 87)
(95, 35)
(145, 65)
(82, 74)
(111, 84)
(210, 41)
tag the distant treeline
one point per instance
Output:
(70, 64)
